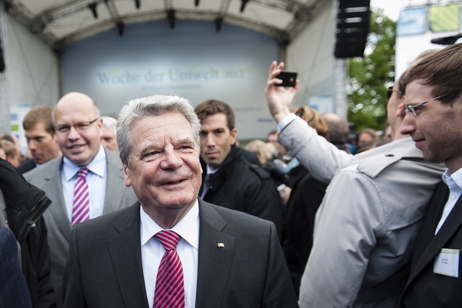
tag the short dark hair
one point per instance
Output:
(442, 71)
(211, 107)
(39, 114)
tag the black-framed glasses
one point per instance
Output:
(412, 108)
(81, 126)
(390, 91)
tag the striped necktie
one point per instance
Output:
(81, 208)
(169, 284)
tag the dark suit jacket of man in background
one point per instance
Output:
(48, 178)
(26, 166)
(246, 272)
(13, 287)
(242, 186)
(305, 198)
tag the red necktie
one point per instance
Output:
(169, 284)
(81, 208)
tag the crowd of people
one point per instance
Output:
(161, 207)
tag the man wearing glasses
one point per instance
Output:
(365, 227)
(434, 121)
(86, 182)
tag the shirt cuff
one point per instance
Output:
(286, 121)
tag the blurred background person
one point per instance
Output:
(11, 152)
(305, 197)
(365, 136)
(339, 131)
(265, 154)
(109, 133)
(40, 136)
(13, 139)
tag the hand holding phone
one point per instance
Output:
(288, 79)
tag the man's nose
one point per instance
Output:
(407, 125)
(73, 133)
(171, 160)
(210, 140)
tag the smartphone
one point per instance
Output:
(288, 79)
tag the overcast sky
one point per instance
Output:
(391, 7)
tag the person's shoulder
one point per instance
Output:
(44, 169)
(236, 218)
(248, 171)
(26, 166)
(112, 154)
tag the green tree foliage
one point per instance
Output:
(368, 77)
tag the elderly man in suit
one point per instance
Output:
(434, 121)
(86, 170)
(221, 257)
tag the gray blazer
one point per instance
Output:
(48, 178)
(104, 267)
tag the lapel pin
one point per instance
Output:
(221, 245)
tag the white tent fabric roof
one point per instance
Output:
(61, 22)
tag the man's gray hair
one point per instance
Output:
(151, 106)
(109, 122)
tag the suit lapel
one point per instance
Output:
(444, 235)
(125, 251)
(216, 249)
(115, 186)
(54, 188)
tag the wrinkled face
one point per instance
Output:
(108, 138)
(216, 139)
(165, 170)
(79, 146)
(436, 128)
(43, 146)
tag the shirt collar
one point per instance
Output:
(454, 181)
(187, 228)
(96, 166)
(210, 171)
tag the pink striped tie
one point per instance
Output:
(81, 209)
(169, 284)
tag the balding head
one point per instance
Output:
(338, 128)
(78, 125)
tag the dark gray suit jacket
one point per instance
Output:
(48, 178)
(104, 267)
(424, 287)
(13, 287)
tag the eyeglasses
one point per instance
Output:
(82, 126)
(412, 108)
(390, 92)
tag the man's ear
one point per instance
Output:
(233, 134)
(127, 180)
(400, 111)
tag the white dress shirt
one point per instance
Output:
(96, 180)
(454, 182)
(152, 252)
